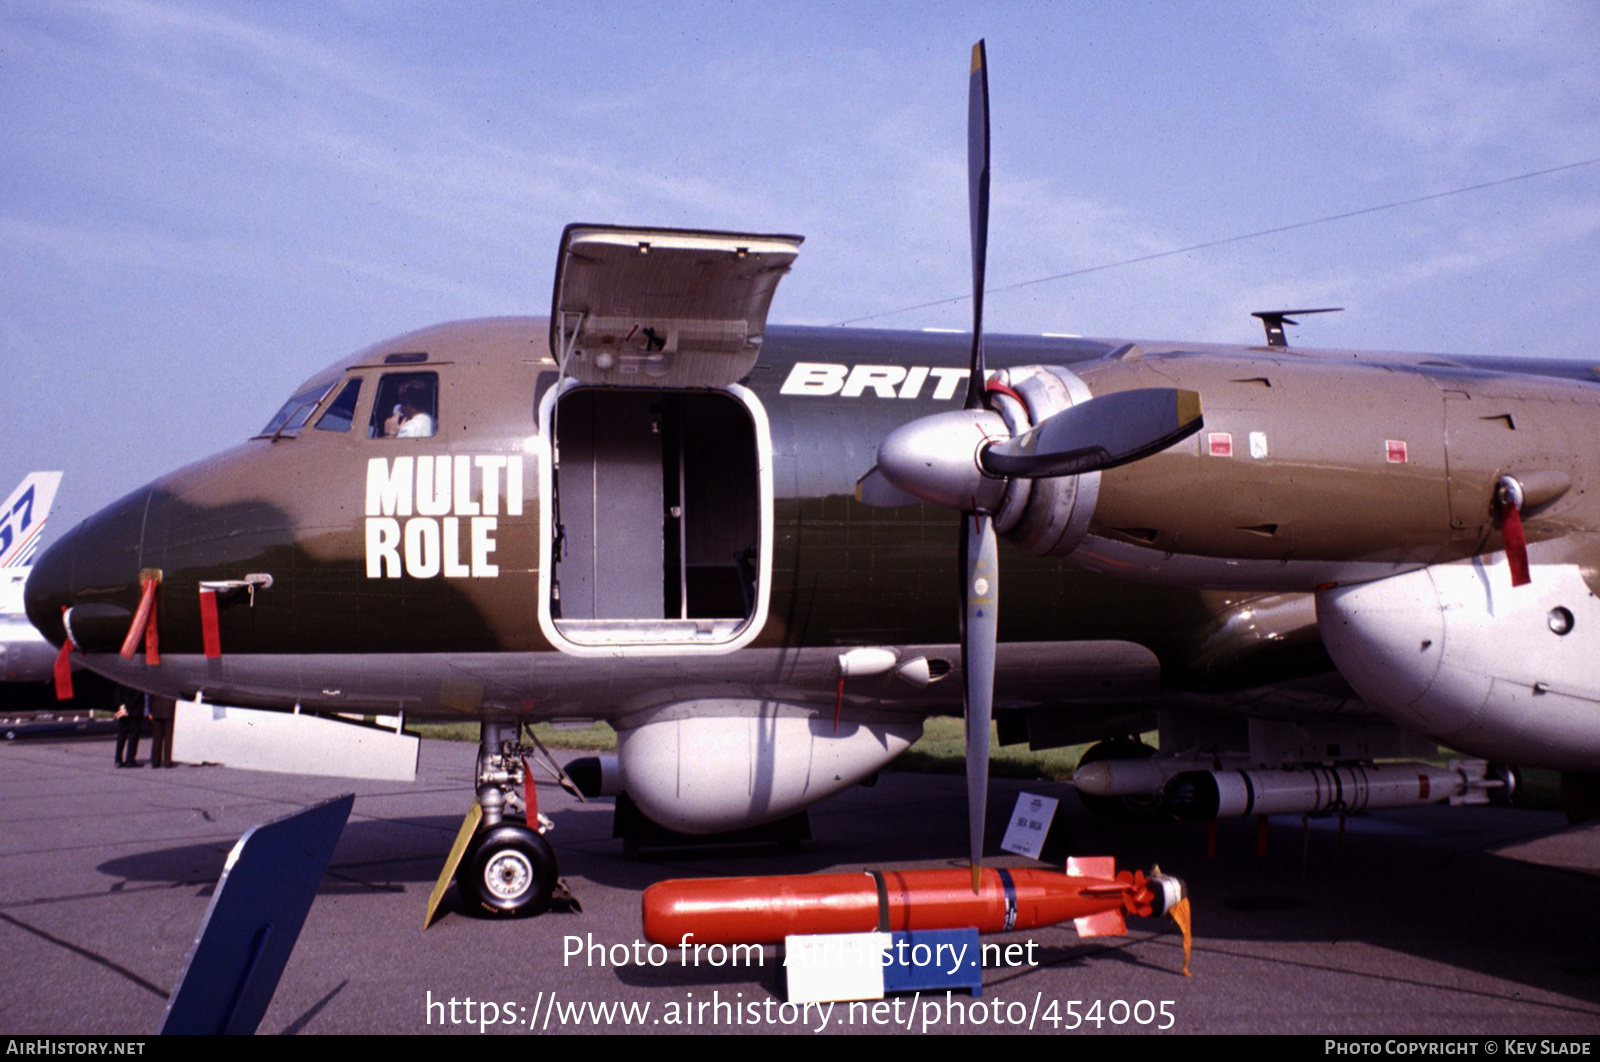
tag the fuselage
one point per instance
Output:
(559, 551)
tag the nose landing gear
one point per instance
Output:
(502, 862)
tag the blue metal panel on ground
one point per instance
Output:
(934, 959)
(260, 905)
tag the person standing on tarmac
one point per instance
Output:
(130, 720)
(162, 711)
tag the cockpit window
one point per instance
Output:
(407, 406)
(295, 412)
(342, 413)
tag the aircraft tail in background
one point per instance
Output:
(22, 518)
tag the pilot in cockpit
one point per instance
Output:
(410, 419)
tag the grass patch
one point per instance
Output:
(599, 737)
(942, 749)
(1540, 789)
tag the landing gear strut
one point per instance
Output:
(509, 867)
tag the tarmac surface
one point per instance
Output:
(1438, 920)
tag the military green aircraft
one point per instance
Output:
(766, 555)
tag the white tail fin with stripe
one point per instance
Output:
(22, 518)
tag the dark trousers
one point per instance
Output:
(128, 739)
(160, 742)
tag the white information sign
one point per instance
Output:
(1029, 824)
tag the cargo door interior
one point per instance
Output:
(658, 493)
(659, 504)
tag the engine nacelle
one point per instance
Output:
(725, 764)
(1046, 517)
(1458, 653)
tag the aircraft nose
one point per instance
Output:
(94, 569)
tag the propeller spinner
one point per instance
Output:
(961, 460)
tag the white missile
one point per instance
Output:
(1316, 789)
(1114, 778)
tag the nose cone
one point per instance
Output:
(94, 567)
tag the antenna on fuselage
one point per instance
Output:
(1274, 320)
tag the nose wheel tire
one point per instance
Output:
(509, 870)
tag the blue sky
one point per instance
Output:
(203, 203)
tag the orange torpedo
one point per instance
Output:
(765, 910)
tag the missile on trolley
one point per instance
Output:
(765, 910)
(1309, 789)
(1120, 777)
(1344, 788)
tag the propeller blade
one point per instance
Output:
(1101, 433)
(980, 630)
(978, 209)
(980, 569)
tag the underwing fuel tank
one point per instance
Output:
(720, 764)
(765, 910)
(1459, 653)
